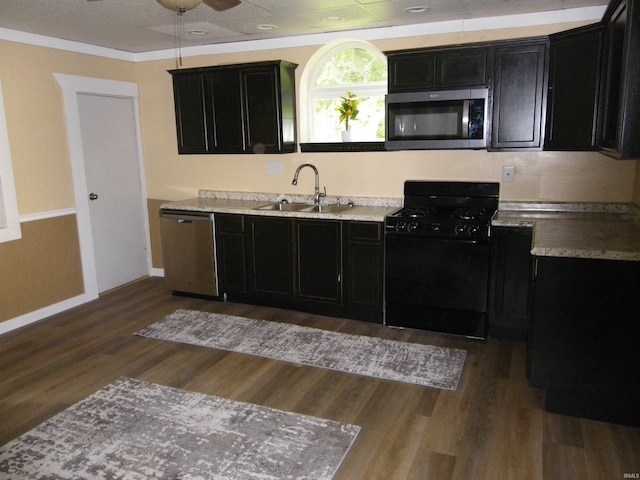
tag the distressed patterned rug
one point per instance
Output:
(136, 430)
(370, 356)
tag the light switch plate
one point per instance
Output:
(274, 168)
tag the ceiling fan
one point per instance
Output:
(181, 6)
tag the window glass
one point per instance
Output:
(349, 67)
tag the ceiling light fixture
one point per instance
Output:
(417, 9)
(197, 32)
(333, 18)
(266, 26)
(179, 6)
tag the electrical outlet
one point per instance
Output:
(508, 174)
(274, 168)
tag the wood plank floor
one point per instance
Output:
(493, 427)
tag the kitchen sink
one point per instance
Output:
(305, 207)
(327, 208)
(284, 207)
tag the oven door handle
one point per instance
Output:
(449, 240)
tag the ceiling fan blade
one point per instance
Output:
(220, 5)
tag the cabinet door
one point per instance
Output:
(519, 96)
(462, 68)
(364, 277)
(411, 71)
(261, 110)
(574, 76)
(319, 260)
(510, 283)
(230, 250)
(191, 115)
(223, 93)
(271, 257)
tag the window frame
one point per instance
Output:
(9, 219)
(315, 92)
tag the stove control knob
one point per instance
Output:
(401, 227)
(413, 227)
(474, 229)
(435, 227)
(460, 230)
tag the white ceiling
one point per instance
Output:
(144, 25)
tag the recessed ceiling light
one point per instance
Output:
(333, 18)
(197, 32)
(266, 26)
(417, 9)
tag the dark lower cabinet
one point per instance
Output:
(230, 242)
(270, 257)
(583, 347)
(519, 94)
(364, 270)
(511, 272)
(319, 260)
(329, 267)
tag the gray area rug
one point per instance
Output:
(370, 356)
(134, 430)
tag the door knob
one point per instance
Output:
(93, 196)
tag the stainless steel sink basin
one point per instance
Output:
(327, 208)
(304, 207)
(284, 207)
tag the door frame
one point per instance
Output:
(71, 86)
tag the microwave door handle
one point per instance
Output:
(465, 119)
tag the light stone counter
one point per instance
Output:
(599, 231)
(371, 209)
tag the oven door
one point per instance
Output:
(437, 284)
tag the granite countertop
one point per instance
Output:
(370, 209)
(599, 231)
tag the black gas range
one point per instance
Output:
(437, 257)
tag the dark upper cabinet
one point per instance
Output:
(574, 79)
(245, 108)
(519, 94)
(441, 68)
(620, 100)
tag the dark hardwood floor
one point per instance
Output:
(493, 427)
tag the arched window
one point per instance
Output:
(347, 67)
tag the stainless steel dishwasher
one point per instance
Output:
(188, 252)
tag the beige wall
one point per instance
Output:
(548, 176)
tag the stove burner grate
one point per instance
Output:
(417, 211)
(469, 214)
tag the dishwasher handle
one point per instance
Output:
(186, 217)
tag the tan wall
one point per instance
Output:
(41, 269)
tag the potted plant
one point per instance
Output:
(348, 111)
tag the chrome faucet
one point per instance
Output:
(317, 194)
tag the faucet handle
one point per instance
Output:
(323, 194)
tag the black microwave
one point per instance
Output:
(437, 120)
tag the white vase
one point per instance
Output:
(346, 135)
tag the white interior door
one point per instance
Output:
(112, 168)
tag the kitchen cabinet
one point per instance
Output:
(270, 257)
(319, 260)
(437, 68)
(620, 100)
(574, 78)
(583, 350)
(231, 248)
(244, 108)
(364, 270)
(324, 266)
(519, 94)
(511, 271)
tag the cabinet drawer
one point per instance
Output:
(229, 223)
(365, 231)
